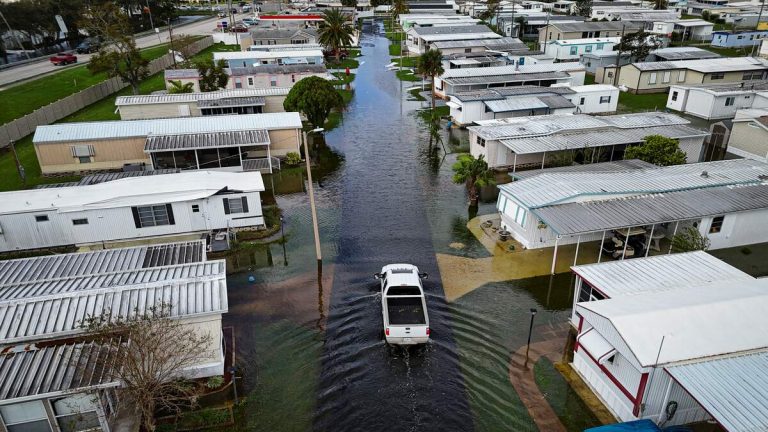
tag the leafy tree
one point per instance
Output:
(474, 173)
(118, 55)
(335, 31)
(658, 150)
(492, 7)
(638, 44)
(349, 3)
(429, 65)
(213, 76)
(148, 353)
(315, 98)
(182, 44)
(689, 240)
(660, 4)
(178, 87)
(583, 8)
(399, 7)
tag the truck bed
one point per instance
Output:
(405, 311)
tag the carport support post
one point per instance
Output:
(650, 239)
(554, 255)
(543, 158)
(514, 164)
(576, 255)
(674, 233)
(626, 242)
(600, 249)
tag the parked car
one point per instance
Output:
(403, 306)
(221, 14)
(250, 21)
(239, 28)
(61, 59)
(88, 46)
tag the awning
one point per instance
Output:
(161, 143)
(596, 346)
(453, 104)
(232, 102)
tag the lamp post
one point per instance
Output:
(530, 331)
(232, 371)
(312, 202)
(282, 234)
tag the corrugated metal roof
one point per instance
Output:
(53, 309)
(684, 53)
(517, 77)
(548, 189)
(649, 15)
(658, 273)
(102, 130)
(233, 102)
(521, 103)
(198, 97)
(594, 26)
(174, 74)
(108, 176)
(260, 55)
(590, 138)
(446, 30)
(640, 210)
(54, 369)
(200, 141)
(278, 69)
(502, 92)
(619, 165)
(728, 64)
(733, 389)
(738, 88)
(49, 267)
(696, 322)
(511, 69)
(556, 102)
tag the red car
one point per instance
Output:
(63, 58)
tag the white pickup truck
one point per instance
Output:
(403, 305)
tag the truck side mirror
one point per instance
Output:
(423, 275)
(377, 276)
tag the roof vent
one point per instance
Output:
(762, 177)
(704, 174)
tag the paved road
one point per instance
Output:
(36, 69)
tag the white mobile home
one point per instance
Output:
(527, 142)
(133, 208)
(420, 39)
(717, 101)
(472, 106)
(679, 356)
(595, 98)
(726, 201)
(542, 75)
(571, 50)
(257, 58)
(749, 134)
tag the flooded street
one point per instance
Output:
(312, 356)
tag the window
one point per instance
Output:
(717, 76)
(581, 101)
(480, 141)
(293, 78)
(681, 76)
(605, 99)
(652, 78)
(588, 48)
(729, 101)
(584, 35)
(156, 215)
(467, 50)
(250, 81)
(238, 83)
(84, 159)
(41, 218)
(25, 417)
(235, 205)
(76, 413)
(82, 221)
(82, 153)
(674, 95)
(665, 76)
(273, 81)
(574, 50)
(610, 74)
(717, 224)
(600, 46)
(195, 208)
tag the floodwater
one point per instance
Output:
(312, 355)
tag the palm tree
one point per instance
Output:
(430, 65)
(335, 31)
(179, 87)
(474, 173)
(399, 7)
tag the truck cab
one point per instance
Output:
(403, 305)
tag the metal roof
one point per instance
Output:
(502, 92)
(103, 130)
(52, 309)
(737, 88)
(260, 55)
(54, 369)
(593, 26)
(683, 53)
(643, 187)
(590, 138)
(273, 33)
(585, 41)
(696, 322)
(728, 64)
(648, 209)
(556, 102)
(522, 103)
(515, 77)
(619, 165)
(211, 140)
(200, 96)
(513, 69)
(277, 69)
(732, 389)
(658, 273)
(108, 176)
(647, 15)
(452, 30)
(48, 267)
(520, 127)
(285, 47)
(173, 74)
(233, 102)
(133, 191)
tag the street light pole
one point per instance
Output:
(530, 331)
(16, 36)
(312, 202)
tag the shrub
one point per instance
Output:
(292, 159)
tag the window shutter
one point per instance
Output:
(169, 209)
(136, 219)
(245, 204)
(226, 206)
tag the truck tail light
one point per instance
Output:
(428, 331)
(386, 331)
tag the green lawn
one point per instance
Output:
(406, 61)
(416, 93)
(395, 49)
(343, 78)
(630, 102)
(24, 98)
(589, 79)
(406, 75)
(346, 63)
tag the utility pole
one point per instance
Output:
(312, 207)
(16, 35)
(19, 166)
(618, 59)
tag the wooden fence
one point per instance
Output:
(55, 111)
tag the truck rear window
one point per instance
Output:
(403, 291)
(405, 310)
